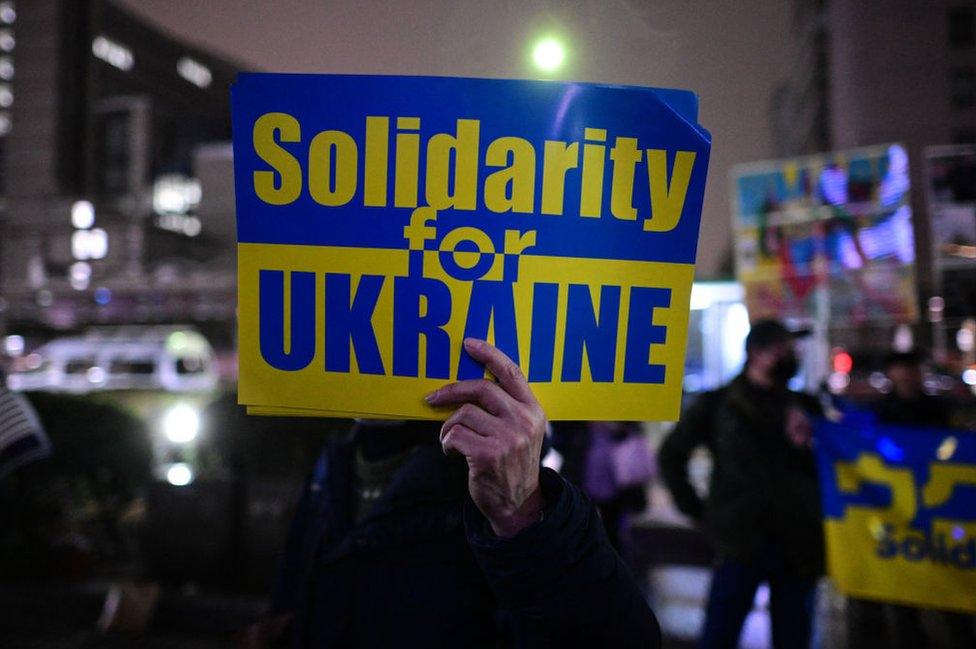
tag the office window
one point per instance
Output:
(962, 27)
(962, 89)
(112, 152)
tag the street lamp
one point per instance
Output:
(548, 55)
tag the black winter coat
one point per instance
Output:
(423, 569)
(763, 491)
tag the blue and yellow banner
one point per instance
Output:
(381, 220)
(900, 512)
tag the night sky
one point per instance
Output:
(732, 55)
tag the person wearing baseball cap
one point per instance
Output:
(763, 507)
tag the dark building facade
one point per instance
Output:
(869, 72)
(102, 219)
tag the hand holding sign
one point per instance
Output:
(498, 428)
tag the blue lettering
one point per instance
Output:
(491, 303)
(349, 323)
(410, 321)
(271, 319)
(642, 333)
(544, 301)
(584, 330)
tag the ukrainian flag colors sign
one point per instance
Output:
(381, 220)
(900, 512)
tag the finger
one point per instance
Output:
(461, 440)
(480, 391)
(474, 418)
(509, 375)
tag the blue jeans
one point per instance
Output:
(730, 599)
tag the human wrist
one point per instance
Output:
(528, 513)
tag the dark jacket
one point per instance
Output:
(763, 491)
(424, 570)
(923, 411)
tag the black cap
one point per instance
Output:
(769, 332)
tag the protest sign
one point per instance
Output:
(382, 220)
(900, 512)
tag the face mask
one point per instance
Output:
(785, 369)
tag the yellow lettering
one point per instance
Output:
(667, 199)
(407, 161)
(558, 158)
(320, 165)
(512, 188)
(870, 468)
(625, 156)
(518, 242)
(943, 480)
(287, 167)
(594, 155)
(465, 147)
(377, 159)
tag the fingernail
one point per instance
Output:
(471, 343)
(432, 397)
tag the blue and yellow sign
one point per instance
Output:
(900, 512)
(381, 220)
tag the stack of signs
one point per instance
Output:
(383, 220)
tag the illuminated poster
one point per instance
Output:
(382, 220)
(827, 237)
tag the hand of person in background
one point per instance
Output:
(799, 430)
(498, 428)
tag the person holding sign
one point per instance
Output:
(452, 535)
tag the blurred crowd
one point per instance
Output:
(378, 519)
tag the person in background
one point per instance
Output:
(763, 508)
(422, 534)
(907, 404)
(611, 463)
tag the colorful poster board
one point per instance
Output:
(827, 237)
(382, 220)
(900, 512)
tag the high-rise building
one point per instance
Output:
(102, 120)
(870, 72)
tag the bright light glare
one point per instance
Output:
(549, 55)
(193, 71)
(838, 382)
(947, 448)
(181, 424)
(179, 474)
(969, 377)
(14, 345)
(113, 53)
(82, 215)
(89, 244)
(79, 275)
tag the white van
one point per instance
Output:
(174, 359)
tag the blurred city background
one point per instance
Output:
(841, 197)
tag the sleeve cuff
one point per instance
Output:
(526, 570)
